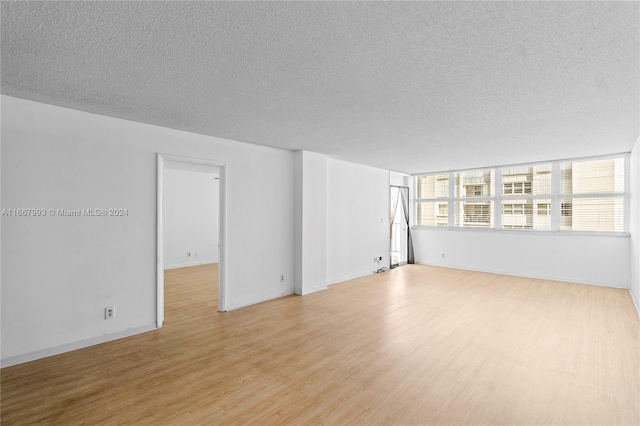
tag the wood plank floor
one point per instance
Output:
(414, 345)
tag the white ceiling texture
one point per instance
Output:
(405, 86)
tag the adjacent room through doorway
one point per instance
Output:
(399, 226)
(190, 239)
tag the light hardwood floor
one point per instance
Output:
(414, 345)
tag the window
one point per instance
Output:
(543, 209)
(577, 195)
(516, 188)
(433, 186)
(534, 179)
(513, 209)
(526, 214)
(473, 198)
(593, 195)
(473, 190)
(534, 182)
(473, 214)
(432, 213)
(433, 193)
(475, 183)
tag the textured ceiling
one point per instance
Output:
(406, 86)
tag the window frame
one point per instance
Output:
(555, 198)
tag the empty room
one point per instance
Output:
(340, 213)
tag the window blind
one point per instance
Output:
(433, 193)
(593, 195)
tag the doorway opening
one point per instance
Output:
(399, 226)
(190, 234)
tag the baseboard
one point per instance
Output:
(234, 306)
(313, 290)
(536, 277)
(186, 265)
(349, 277)
(68, 347)
(635, 302)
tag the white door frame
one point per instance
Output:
(163, 159)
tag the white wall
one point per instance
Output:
(634, 228)
(191, 204)
(59, 273)
(310, 222)
(398, 179)
(595, 259)
(357, 220)
(1, 206)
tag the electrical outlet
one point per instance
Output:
(442, 254)
(188, 254)
(281, 278)
(110, 312)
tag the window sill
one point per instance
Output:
(522, 231)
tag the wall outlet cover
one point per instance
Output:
(110, 312)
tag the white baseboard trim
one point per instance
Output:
(309, 291)
(349, 277)
(68, 347)
(635, 302)
(234, 306)
(186, 265)
(536, 277)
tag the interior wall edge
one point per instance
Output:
(635, 302)
(311, 290)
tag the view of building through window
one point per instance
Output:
(471, 206)
(530, 182)
(586, 195)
